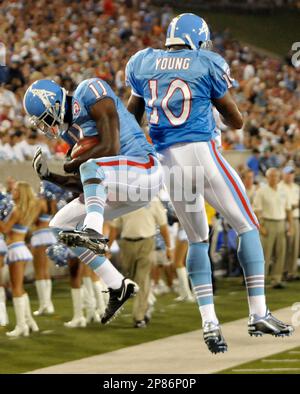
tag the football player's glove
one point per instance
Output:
(39, 163)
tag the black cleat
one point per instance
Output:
(86, 238)
(268, 324)
(117, 298)
(213, 338)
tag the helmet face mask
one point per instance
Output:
(208, 45)
(45, 103)
(46, 124)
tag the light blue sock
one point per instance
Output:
(251, 258)
(199, 270)
(102, 267)
(89, 258)
(94, 197)
(95, 194)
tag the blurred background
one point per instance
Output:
(70, 41)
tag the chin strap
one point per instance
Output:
(63, 106)
(208, 45)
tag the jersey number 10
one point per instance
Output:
(176, 84)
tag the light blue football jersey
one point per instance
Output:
(132, 139)
(178, 88)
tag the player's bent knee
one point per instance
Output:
(90, 169)
(196, 236)
(54, 223)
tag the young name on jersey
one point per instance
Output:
(173, 63)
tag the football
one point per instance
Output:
(84, 145)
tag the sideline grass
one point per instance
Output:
(287, 362)
(56, 344)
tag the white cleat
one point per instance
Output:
(39, 312)
(18, 332)
(76, 323)
(49, 310)
(45, 310)
(3, 315)
(32, 325)
(184, 299)
(92, 316)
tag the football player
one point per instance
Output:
(118, 173)
(178, 88)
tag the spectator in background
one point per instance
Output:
(180, 252)
(137, 230)
(71, 41)
(253, 162)
(290, 188)
(248, 179)
(10, 183)
(274, 210)
(15, 229)
(268, 160)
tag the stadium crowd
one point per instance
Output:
(70, 41)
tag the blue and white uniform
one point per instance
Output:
(179, 88)
(3, 246)
(43, 236)
(18, 251)
(132, 140)
(129, 180)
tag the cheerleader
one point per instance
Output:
(15, 227)
(93, 295)
(3, 312)
(63, 256)
(181, 247)
(43, 237)
(180, 252)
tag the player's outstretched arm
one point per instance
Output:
(136, 105)
(105, 115)
(67, 182)
(229, 111)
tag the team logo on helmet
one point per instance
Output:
(76, 108)
(44, 95)
(204, 29)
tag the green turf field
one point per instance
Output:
(282, 363)
(275, 32)
(56, 344)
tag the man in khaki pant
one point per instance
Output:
(273, 209)
(137, 230)
(293, 190)
(250, 187)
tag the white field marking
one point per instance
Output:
(265, 369)
(187, 353)
(294, 352)
(286, 360)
